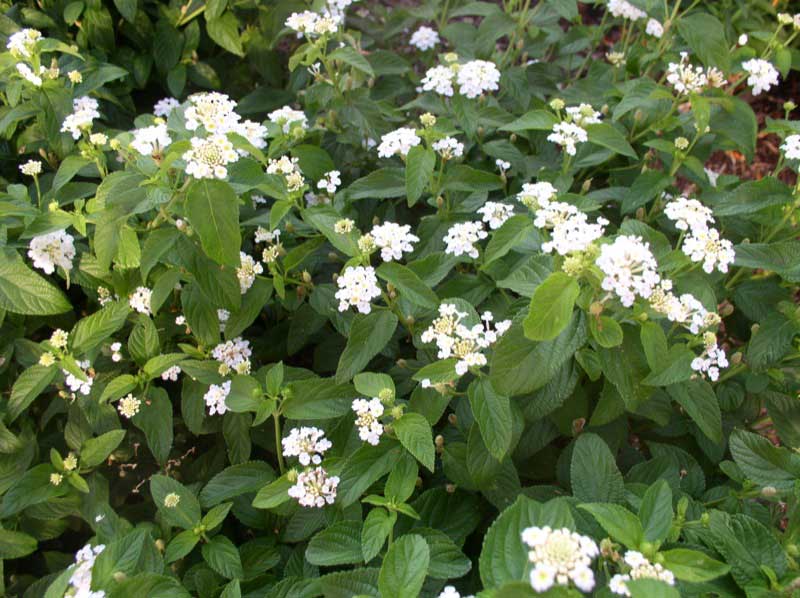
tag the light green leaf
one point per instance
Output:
(404, 568)
(415, 434)
(551, 307)
(213, 211)
(368, 336)
(492, 411)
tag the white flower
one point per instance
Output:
(712, 176)
(560, 556)
(654, 28)
(688, 214)
(477, 77)
(247, 272)
(393, 239)
(312, 24)
(289, 168)
(213, 111)
(713, 357)
(439, 79)
(171, 373)
(571, 230)
(536, 195)
(208, 158)
(424, 38)
(223, 315)
(453, 339)
(626, 10)
(84, 111)
(451, 592)
(165, 106)
(705, 245)
(640, 568)
(80, 580)
(583, 115)
(139, 300)
(330, 181)
(495, 213)
(743, 39)
(151, 140)
(172, 500)
(128, 406)
(315, 488)
(264, 236)
(684, 77)
(253, 132)
(26, 73)
(98, 139)
(215, 398)
(59, 338)
(762, 75)
(343, 226)
(51, 251)
(75, 384)
(502, 165)
(791, 147)
(288, 116)
(629, 268)
(116, 354)
(22, 43)
(233, 355)
(307, 444)
(449, 148)
(31, 168)
(357, 287)
(461, 238)
(567, 135)
(367, 419)
(399, 141)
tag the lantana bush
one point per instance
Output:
(436, 298)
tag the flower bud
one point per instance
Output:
(452, 419)
(789, 106)
(769, 491)
(596, 308)
(160, 545)
(450, 488)
(736, 358)
(119, 576)
(306, 276)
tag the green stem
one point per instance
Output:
(277, 420)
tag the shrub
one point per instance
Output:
(455, 298)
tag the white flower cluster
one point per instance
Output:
(215, 398)
(273, 240)
(461, 238)
(474, 78)
(399, 142)
(330, 181)
(654, 28)
(22, 44)
(583, 115)
(247, 271)
(629, 268)
(233, 355)
(312, 24)
(454, 339)
(684, 309)
(495, 213)
(713, 357)
(209, 156)
(315, 488)
(128, 406)
(762, 75)
(308, 444)
(51, 251)
(116, 354)
(75, 384)
(357, 287)
(213, 111)
(535, 195)
(626, 10)
(27, 73)
(151, 140)
(368, 415)
(31, 168)
(640, 568)
(288, 116)
(393, 239)
(568, 135)
(702, 244)
(289, 169)
(687, 79)
(171, 374)
(571, 231)
(559, 557)
(424, 38)
(791, 147)
(84, 111)
(139, 300)
(449, 148)
(451, 592)
(164, 107)
(80, 580)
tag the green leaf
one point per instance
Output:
(605, 135)
(699, 401)
(236, 480)
(446, 559)
(622, 525)
(155, 420)
(408, 284)
(213, 211)
(377, 525)
(492, 412)
(354, 58)
(28, 385)
(368, 336)
(593, 473)
(93, 330)
(378, 184)
(651, 588)
(22, 291)
(339, 544)
(225, 32)
(14, 545)
(364, 467)
(95, 450)
(551, 307)
(415, 434)
(706, 37)
(763, 462)
(438, 372)
(273, 494)
(181, 545)
(371, 385)
(535, 120)
(655, 512)
(692, 565)
(404, 568)
(186, 513)
(506, 238)
(223, 557)
(420, 163)
(317, 398)
(68, 169)
(606, 331)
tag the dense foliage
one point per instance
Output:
(423, 300)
